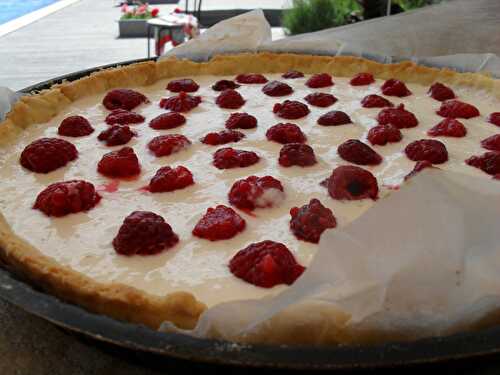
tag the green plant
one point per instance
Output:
(313, 15)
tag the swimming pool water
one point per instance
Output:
(11, 9)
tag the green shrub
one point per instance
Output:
(313, 15)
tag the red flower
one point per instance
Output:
(177, 10)
(154, 12)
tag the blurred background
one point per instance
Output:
(40, 39)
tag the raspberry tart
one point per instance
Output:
(183, 185)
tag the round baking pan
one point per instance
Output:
(127, 338)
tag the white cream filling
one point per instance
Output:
(270, 197)
(83, 241)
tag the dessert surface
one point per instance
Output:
(84, 241)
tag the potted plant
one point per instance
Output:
(132, 23)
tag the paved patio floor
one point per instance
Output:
(77, 37)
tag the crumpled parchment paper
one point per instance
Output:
(7, 99)
(422, 262)
(248, 32)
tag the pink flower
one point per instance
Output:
(124, 8)
(154, 12)
(142, 9)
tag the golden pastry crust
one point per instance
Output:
(124, 302)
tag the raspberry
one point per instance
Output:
(489, 162)
(180, 103)
(427, 149)
(319, 80)
(144, 233)
(492, 143)
(123, 117)
(334, 118)
(253, 192)
(226, 158)
(224, 84)
(291, 109)
(285, 133)
(230, 99)
(382, 134)
(441, 92)
(277, 88)
(399, 117)
(320, 99)
(352, 183)
(186, 85)
(394, 87)
(68, 197)
(168, 179)
(494, 118)
(168, 144)
(362, 79)
(241, 120)
(419, 165)
(251, 78)
(47, 154)
(457, 109)
(222, 137)
(219, 223)
(375, 101)
(292, 74)
(120, 163)
(75, 126)
(297, 154)
(311, 220)
(123, 99)
(168, 120)
(449, 127)
(266, 264)
(116, 135)
(358, 152)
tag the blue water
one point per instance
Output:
(10, 9)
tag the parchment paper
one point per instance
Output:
(247, 32)
(422, 262)
(7, 98)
